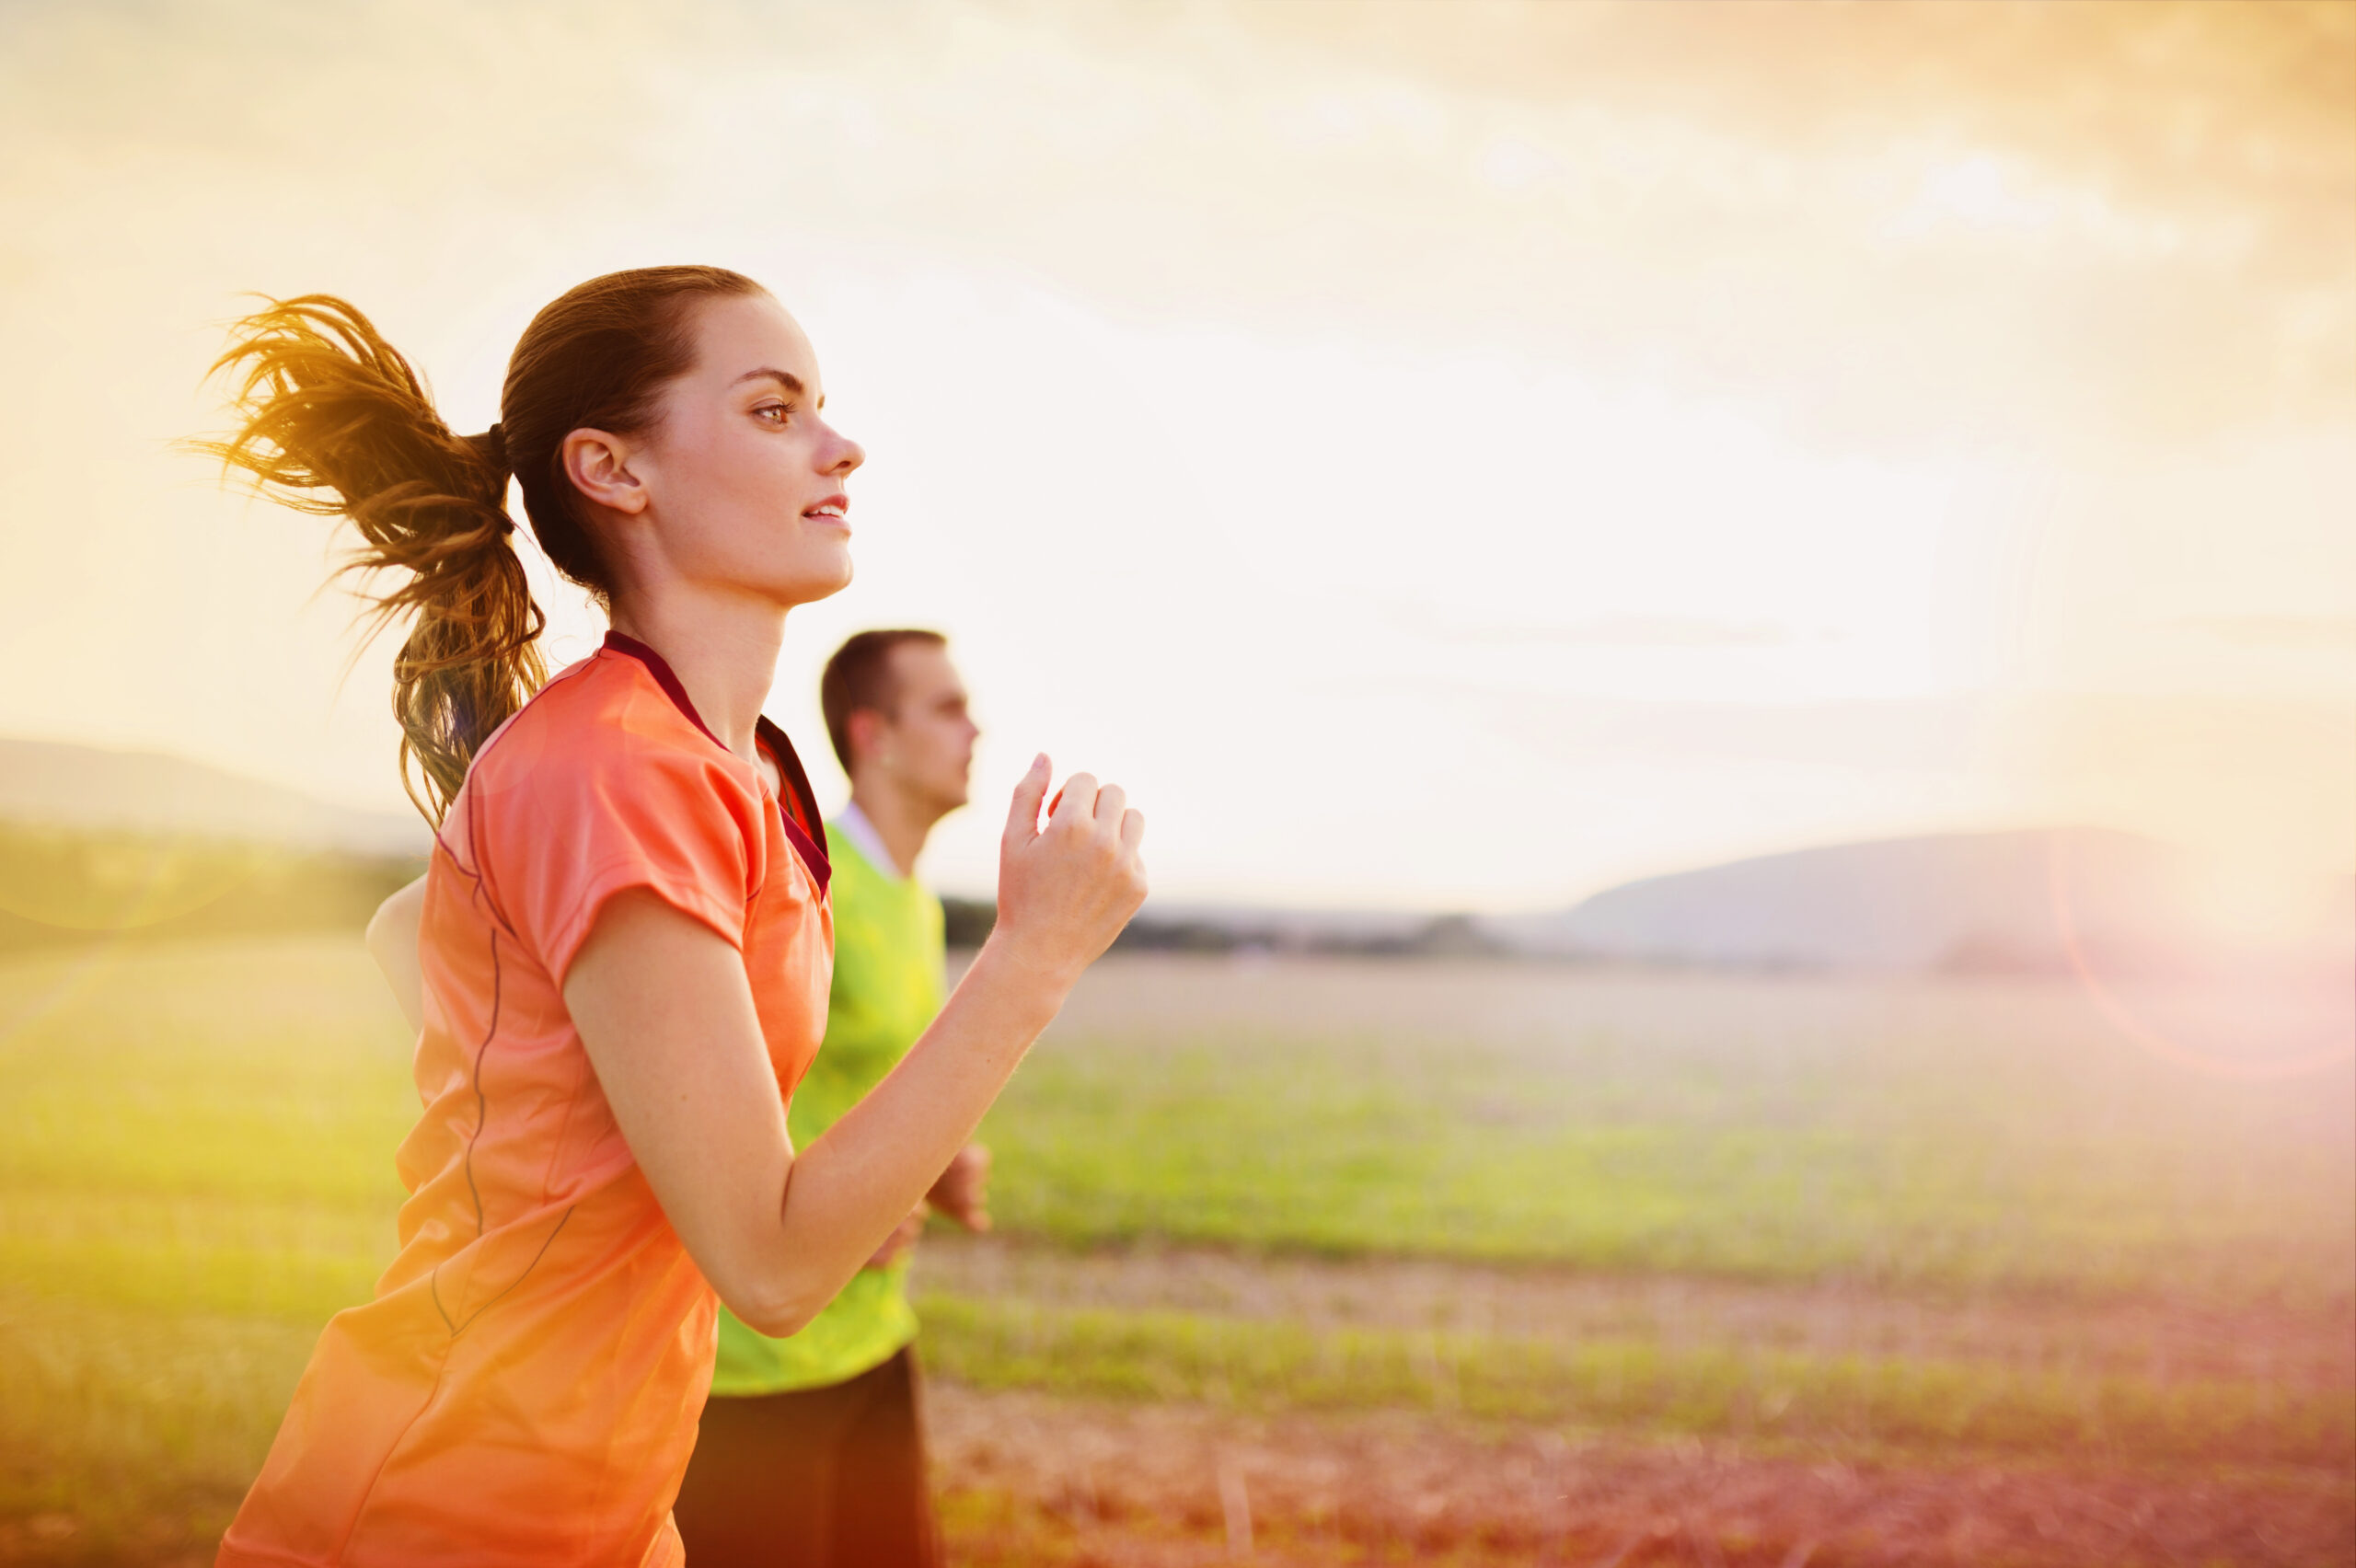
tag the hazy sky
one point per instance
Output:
(1435, 455)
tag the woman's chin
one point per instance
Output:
(809, 587)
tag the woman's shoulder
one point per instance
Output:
(606, 710)
(602, 779)
(605, 730)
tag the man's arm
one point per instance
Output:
(962, 1191)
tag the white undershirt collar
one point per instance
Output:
(867, 841)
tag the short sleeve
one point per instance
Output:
(557, 844)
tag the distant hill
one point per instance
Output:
(50, 784)
(107, 844)
(1980, 901)
(1952, 903)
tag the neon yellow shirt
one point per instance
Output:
(887, 987)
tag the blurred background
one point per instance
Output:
(1738, 624)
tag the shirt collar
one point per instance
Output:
(868, 842)
(797, 807)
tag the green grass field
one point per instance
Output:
(1956, 1136)
(196, 1169)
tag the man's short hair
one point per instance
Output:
(860, 675)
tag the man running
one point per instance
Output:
(812, 1451)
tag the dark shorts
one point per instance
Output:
(818, 1478)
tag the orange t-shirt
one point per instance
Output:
(525, 1388)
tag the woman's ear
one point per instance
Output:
(598, 465)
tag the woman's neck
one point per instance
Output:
(725, 655)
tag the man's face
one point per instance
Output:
(925, 745)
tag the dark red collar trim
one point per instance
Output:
(664, 677)
(797, 803)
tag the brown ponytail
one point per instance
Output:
(332, 421)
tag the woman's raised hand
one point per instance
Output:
(1067, 885)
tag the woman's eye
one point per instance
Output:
(775, 413)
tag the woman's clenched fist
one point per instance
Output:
(1067, 884)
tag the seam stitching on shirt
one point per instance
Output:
(482, 1119)
(442, 1371)
(545, 1245)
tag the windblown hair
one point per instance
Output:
(860, 675)
(333, 420)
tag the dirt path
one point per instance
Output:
(1036, 1478)
(1041, 1478)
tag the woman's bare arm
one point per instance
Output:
(663, 1006)
(392, 943)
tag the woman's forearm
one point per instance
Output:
(875, 1163)
(667, 1019)
(666, 1015)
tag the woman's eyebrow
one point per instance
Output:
(786, 379)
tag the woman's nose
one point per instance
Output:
(848, 453)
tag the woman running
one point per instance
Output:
(626, 936)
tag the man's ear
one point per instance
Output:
(865, 727)
(598, 465)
